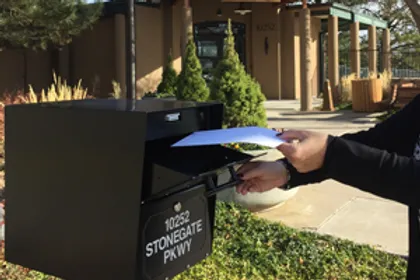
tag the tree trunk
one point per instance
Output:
(415, 11)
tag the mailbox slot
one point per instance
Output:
(168, 168)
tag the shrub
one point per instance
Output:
(116, 90)
(237, 90)
(58, 91)
(191, 84)
(345, 87)
(168, 85)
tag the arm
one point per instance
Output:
(376, 171)
(396, 134)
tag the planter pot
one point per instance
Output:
(257, 201)
(367, 95)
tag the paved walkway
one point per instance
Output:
(331, 207)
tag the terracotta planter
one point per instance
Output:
(257, 201)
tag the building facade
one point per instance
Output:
(268, 40)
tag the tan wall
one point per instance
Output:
(290, 56)
(176, 35)
(149, 48)
(92, 58)
(12, 75)
(39, 70)
(12, 71)
(266, 66)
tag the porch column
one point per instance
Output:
(187, 24)
(373, 61)
(120, 52)
(333, 74)
(386, 48)
(355, 49)
(305, 50)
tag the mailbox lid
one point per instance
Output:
(165, 118)
(169, 169)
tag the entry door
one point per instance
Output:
(209, 38)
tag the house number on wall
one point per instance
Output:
(266, 27)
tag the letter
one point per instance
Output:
(193, 227)
(149, 250)
(155, 244)
(173, 255)
(188, 243)
(181, 248)
(188, 232)
(170, 240)
(182, 233)
(199, 224)
(176, 236)
(166, 255)
(162, 243)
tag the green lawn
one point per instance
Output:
(246, 247)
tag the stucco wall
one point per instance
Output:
(92, 58)
(12, 74)
(266, 48)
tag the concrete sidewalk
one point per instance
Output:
(331, 207)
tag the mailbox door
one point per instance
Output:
(176, 233)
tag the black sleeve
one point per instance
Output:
(397, 134)
(376, 171)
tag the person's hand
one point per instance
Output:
(261, 176)
(305, 150)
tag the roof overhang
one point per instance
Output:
(345, 14)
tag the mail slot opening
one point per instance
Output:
(168, 165)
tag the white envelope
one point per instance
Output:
(250, 135)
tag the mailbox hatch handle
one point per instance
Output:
(233, 182)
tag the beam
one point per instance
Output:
(355, 48)
(333, 55)
(386, 43)
(372, 50)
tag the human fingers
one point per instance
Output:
(291, 135)
(246, 167)
(289, 150)
(244, 187)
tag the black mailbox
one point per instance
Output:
(95, 190)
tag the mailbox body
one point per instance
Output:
(94, 190)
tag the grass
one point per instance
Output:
(246, 247)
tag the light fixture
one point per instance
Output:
(242, 10)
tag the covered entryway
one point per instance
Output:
(209, 37)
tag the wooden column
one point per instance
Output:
(333, 74)
(305, 50)
(355, 49)
(372, 51)
(386, 55)
(187, 24)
